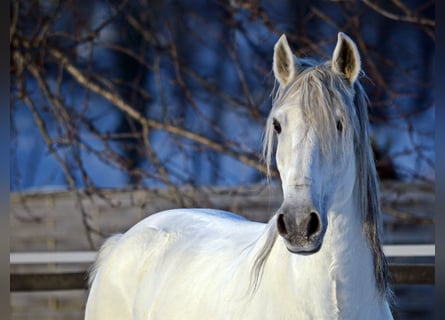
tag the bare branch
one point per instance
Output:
(149, 96)
(410, 17)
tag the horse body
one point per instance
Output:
(319, 256)
(196, 264)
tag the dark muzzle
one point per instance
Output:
(301, 228)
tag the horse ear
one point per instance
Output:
(283, 62)
(346, 59)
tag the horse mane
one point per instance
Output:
(369, 194)
(324, 96)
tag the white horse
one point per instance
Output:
(319, 257)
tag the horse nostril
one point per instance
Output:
(313, 225)
(281, 225)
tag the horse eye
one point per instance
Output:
(339, 126)
(276, 126)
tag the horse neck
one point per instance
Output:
(345, 257)
(345, 225)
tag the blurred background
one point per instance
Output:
(123, 108)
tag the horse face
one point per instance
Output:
(312, 182)
(315, 152)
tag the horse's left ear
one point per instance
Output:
(346, 59)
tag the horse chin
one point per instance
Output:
(304, 251)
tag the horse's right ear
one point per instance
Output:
(283, 62)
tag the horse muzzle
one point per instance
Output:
(302, 228)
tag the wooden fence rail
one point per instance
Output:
(400, 273)
(88, 257)
(53, 221)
